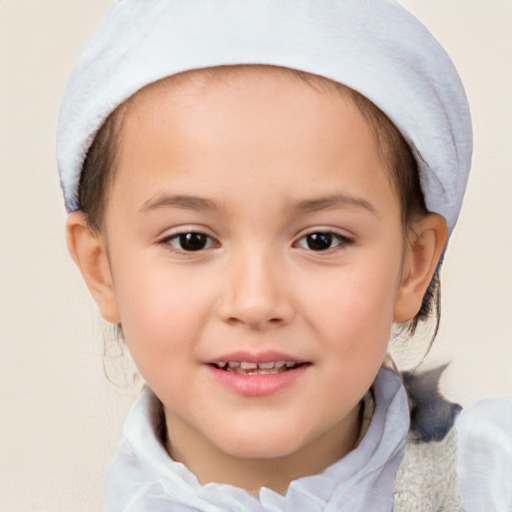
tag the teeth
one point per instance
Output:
(249, 368)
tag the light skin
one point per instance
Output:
(257, 164)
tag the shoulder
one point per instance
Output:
(484, 432)
(427, 478)
(132, 482)
(471, 448)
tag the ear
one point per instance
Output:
(89, 253)
(426, 243)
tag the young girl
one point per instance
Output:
(258, 191)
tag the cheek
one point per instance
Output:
(354, 314)
(353, 307)
(162, 314)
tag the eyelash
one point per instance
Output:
(205, 242)
(320, 237)
(192, 237)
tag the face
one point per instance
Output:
(256, 252)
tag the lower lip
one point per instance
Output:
(257, 385)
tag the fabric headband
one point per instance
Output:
(373, 46)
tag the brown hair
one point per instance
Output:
(100, 164)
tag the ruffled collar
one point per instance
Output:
(142, 476)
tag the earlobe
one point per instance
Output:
(89, 253)
(426, 244)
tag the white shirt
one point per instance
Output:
(142, 476)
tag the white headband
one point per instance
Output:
(373, 46)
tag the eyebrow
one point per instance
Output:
(331, 201)
(305, 206)
(178, 201)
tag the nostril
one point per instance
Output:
(255, 322)
(234, 321)
(255, 307)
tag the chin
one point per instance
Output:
(260, 445)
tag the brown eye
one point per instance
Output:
(322, 241)
(190, 242)
(319, 241)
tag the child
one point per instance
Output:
(257, 191)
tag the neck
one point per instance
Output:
(211, 464)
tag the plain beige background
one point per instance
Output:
(60, 418)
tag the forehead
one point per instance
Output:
(227, 89)
(295, 106)
(184, 88)
(253, 130)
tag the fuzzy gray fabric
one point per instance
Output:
(432, 416)
(427, 479)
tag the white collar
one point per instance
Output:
(142, 476)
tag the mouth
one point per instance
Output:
(262, 374)
(252, 368)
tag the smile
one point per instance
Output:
(251, 368)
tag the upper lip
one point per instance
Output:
(256, 357)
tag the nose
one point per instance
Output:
(256, 293)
